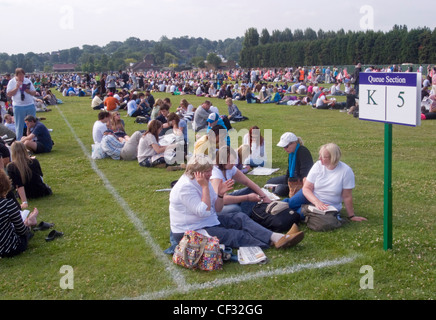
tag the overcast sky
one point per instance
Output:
(43, 26)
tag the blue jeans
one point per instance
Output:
(245, 207)
(20, 112)
(297, 201)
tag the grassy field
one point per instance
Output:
(116, 225)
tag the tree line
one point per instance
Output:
(276, 49)
(309, 48)
(118, 55)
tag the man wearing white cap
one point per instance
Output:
(299, 163)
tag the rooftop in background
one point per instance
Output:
(64, 67)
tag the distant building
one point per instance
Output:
(145, 65)
(64, 67)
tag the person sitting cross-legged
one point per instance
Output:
(38, 138)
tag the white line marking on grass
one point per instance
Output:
(176, 275)
(245, 277)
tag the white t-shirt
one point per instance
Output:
(218, 174)
(328, 184)
(145, 148)
(16, 99)
(96, 102)
(256, 151)
(213, 109)
(97, 131)
(187, 211)
(131, 107)
(320, 100)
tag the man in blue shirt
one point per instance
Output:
(38, 139)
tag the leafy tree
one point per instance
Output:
(287, 35)
(169, 59)
(251, 38)
(276, 36)
(310, 34)
(298, 35)
(265, 37)
(214, 60)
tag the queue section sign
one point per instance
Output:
(390, 97)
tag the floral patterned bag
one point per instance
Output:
(198, 251)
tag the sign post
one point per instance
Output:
(387, 232)
(391, 98)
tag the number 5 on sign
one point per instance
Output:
(401, 107)
(400, 97)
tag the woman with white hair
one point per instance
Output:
(329, 182)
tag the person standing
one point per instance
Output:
(111, 83)
(22, 91)
(356, 77)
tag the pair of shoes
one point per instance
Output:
(43, 226)
(291, 238)
(53, 235)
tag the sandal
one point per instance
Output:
(43, 226)
(53, 235)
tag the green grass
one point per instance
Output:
(113, 260)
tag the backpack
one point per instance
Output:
(321, 222)
(275, 216)
(141, 119)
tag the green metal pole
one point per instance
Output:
(388, 188)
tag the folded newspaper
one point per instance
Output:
(262, 171)
(251, 255)
(270, 195)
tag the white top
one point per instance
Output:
(145, 148)
(96, 102)
(16, 99)
(218, 174)
(131, 107)
(328, 184)
(320, 100)
(187, 211)
(97, 131)
(214, 109)
(256, 151)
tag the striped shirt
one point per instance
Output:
(11, 226)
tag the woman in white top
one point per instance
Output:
(329, 182)
(225, 170)
(150, 152)
(257, 155)
(194, 205)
